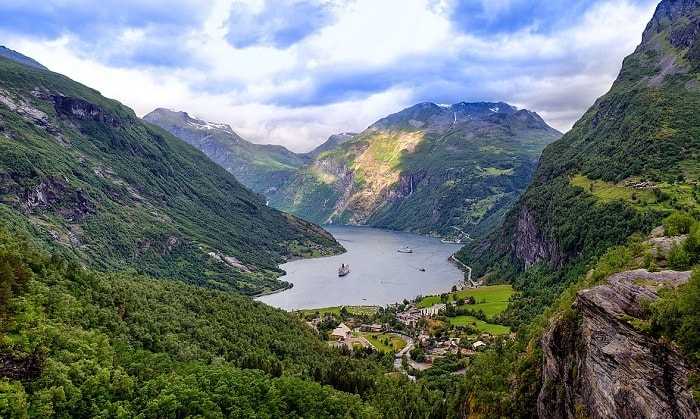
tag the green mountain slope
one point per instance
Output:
(332, 142)
(437, 169)
(631, 159)
(97, 182)
(260, 167)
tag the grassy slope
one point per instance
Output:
(492, 300)
(492, 296)
(122, 194)
(377, 339)
(480, 325)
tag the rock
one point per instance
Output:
(657, 232)
(230, 261)
(598, 365)
(76, 108)
(661, 246)
(54, 193)
(530, 245)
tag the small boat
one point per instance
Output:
(405, 249)
(421, 269)
(343, 270)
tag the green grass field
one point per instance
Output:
(377, 339)
(494, 329)
(353, 310)
(677, 196)
(492, 299)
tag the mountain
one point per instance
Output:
(92, 180)
(22, 59)
(123, 252)
(447, 170)
(603, 250)
(332, 142)
(631, 159)
(260, 167)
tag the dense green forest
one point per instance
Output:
(119, 193)
(80, 343)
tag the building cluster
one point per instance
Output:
(416, 326)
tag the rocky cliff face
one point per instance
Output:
(598, 365)
(530, 246)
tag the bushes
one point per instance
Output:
(676, 315)
(686, 254)
(678, 223)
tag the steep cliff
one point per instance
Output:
(598, 364)
(627, 162)
(448, 170)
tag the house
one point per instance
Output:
(341, 332)
(409, 318)
(478, 344)
(433, 310)
(376, 328)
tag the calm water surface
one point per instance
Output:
(379, 274)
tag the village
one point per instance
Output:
(427, 331)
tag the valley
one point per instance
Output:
(461, 260)
(444, 170)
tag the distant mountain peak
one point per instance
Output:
(185, 118)
(20, 58)
(258, 166)
(430, 115)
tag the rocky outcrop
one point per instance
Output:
(55, 194)
(76, 108)
(598, 365)
(671, 11)
(530, 245)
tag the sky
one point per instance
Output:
(294, 72)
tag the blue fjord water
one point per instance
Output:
(379, 273)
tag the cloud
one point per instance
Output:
(293, 73)
(277, 23)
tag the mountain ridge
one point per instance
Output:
(260, 167)
(388, 175)
(98, 183)
(20, 58)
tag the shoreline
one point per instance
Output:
(290, 284)
(344, 250)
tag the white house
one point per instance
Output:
(432, 310)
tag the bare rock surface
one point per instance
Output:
(598, 364)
